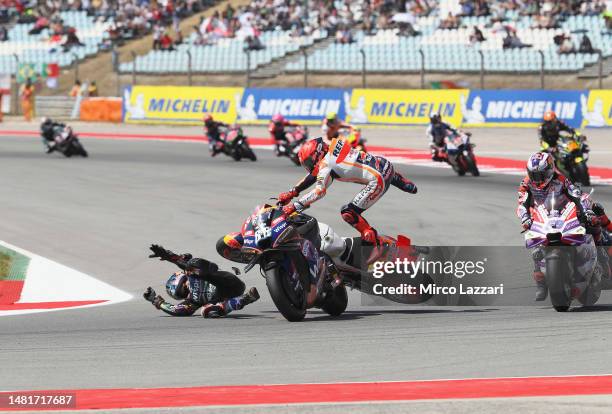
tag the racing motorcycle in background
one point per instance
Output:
(298, 255)
(235, 144)
(561, 245)
(66, 142)
(571, 157)
(296, 136)
(460, 153)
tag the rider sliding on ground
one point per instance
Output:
(199, 284)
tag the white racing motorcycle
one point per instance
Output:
(566, 254)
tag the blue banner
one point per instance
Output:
(521, 107)
(258, 105)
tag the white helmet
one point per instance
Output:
(540, 169)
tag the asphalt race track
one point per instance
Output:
(99, 215)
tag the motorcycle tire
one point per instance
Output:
(471, 166)
(291, 307)
(295, 159)
(336, 302)
(581, 174)
(557, 280)
(251, 155)
(236, 155)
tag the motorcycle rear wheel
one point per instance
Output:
(581, 174)
(291, 307)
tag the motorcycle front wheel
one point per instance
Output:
(581, 174)
(558, 280)
(291, 304)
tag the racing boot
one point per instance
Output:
(251, 296)
(403, 183)
(541, 288)
(352, 215)
(214, 310)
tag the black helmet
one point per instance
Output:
(435, 117)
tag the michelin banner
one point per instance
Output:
(179, 104)
(505, 108)
(258, 105)
(520, 107)
(404, 107)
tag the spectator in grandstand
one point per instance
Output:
(158, 32)
(451, 22)
(344, 35)
(179, 38)
(72, 40)
(41, 24)
(564, 43)
(586, 46)
(253, 43)
(26, 95)
(476, 36)
(92, 91)
(3, 34)
(512, 41)
(76, 89)
(166, 43)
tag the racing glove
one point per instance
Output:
(526, 223)
(160, 252)
(284, 198)
(292, 208)
(149, 294)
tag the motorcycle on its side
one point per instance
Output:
(307, 265)
(66, 142)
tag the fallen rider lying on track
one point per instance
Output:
(199, 284)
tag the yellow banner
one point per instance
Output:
(597, 110)
(179, 104)
(406, 107)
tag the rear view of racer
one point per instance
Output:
(332, 125)
(199, 284)
(550, 129)
(343, 163)
(213, 133)
(437, 131)
(277, 131)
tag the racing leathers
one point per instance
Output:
(278, 133)
(331, 129)
(437, 133)
(549, 133)
(213, 133)
(560, 191)
(344, 163)
(216, 291)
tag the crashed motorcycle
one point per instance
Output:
(566, 254)
(234, 143)
(571, 158)
(296, 136)
(66, 142)
(307, 265)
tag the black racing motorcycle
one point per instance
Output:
(296, 136)
(571, 158)
(234, 143)
(66, 142)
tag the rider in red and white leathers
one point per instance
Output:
(542, 185)
(341, 162)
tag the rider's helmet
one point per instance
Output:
(549, 116)
(45, 121)
(278, 119)
(540, 169)
(176, 286)
(312, 152)
(435, 117)
(208, 119)
(331, 117)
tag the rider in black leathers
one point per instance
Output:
(550, 129)
(199, 284)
